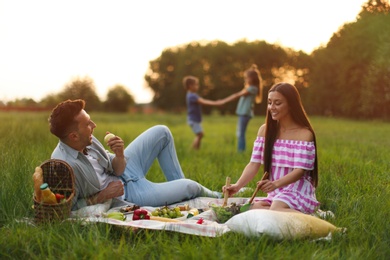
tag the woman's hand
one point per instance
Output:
(266, 186)
(232, 189)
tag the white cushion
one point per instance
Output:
(280, 225)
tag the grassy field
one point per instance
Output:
(354, 183)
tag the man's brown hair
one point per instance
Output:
(62, 119)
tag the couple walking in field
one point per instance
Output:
(285, 146)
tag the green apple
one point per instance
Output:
(108, 137)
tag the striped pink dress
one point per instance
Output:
(286, 156)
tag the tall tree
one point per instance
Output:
(342, 76)
(118, 99)
(376, 84)
(83, 88)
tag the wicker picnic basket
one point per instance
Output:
(59, 175)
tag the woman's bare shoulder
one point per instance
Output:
(305, 134)
(261, 131)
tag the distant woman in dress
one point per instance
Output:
(286, 147)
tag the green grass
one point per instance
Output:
(354, 184)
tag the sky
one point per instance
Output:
(45, 44)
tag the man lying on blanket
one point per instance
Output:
(101, 175)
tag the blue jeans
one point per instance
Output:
(157, 143)
(241, 130)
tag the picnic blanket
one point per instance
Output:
(280, 225)
(209, 227)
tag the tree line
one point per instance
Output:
(349, 77)
(118, 98)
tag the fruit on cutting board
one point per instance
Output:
(115, 215)
(167, 212)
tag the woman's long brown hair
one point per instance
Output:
(298, 114)
(255, 80)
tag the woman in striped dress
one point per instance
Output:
(286, 147)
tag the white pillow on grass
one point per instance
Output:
(280, 225)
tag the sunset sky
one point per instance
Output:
(44, 44)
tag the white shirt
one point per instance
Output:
(104, 179)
